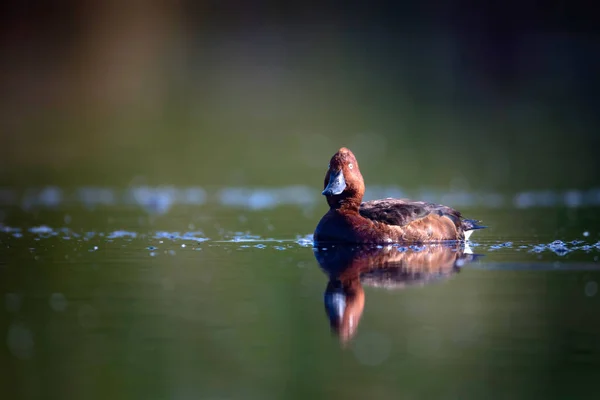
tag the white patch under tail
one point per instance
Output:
(468, 234)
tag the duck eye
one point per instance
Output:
(350, 166)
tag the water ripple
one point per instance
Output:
(243, 240)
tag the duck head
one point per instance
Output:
(343, 185)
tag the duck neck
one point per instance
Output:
(349, 204)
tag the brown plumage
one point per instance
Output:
(381, 221)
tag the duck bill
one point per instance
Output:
(336, 184)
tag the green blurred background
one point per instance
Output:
(443, 97)
(258, 93)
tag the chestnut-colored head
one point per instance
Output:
(344, 185)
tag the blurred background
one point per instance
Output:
(231, 110)
(218, 93)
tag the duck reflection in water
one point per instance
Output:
(391, 267)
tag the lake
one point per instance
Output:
(186, 292)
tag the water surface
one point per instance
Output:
(229, 299)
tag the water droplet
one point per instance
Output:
(122, 234)
(42, 230)
(305, 241)
(58, 302)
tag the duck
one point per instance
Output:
(350, 220)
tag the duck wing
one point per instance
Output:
(402, 212)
